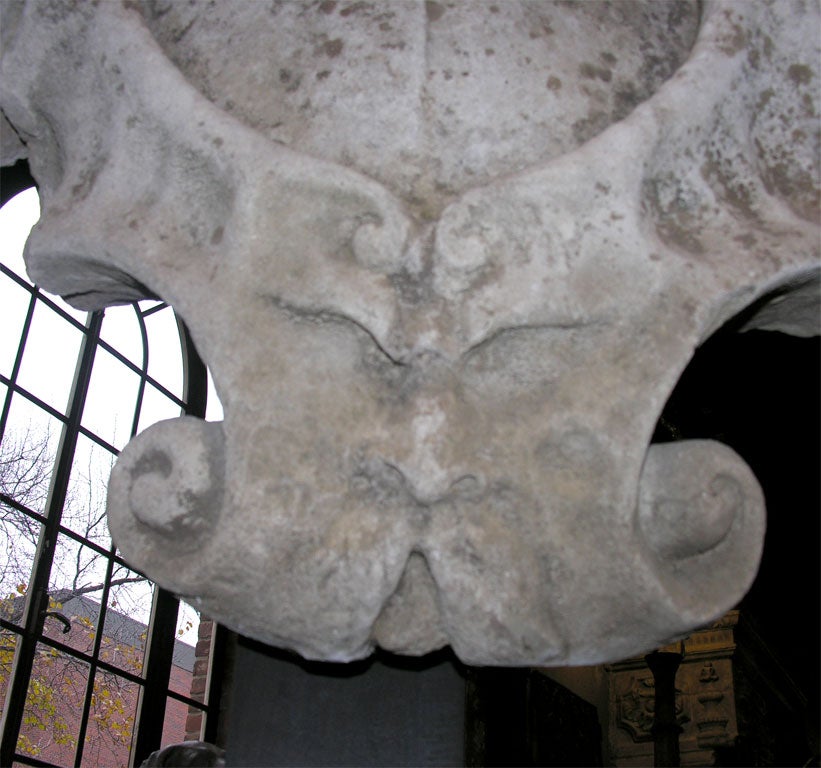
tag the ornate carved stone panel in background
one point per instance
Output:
(446, 262)
(720, 724)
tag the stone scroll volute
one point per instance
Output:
(446, 262)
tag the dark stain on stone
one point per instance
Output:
(333, 47)
(489, 52)
(764, 99)
(494, 9)
(181, 33)
(88, 177)
(324, 74)
(327, 6)
(735, 192)
(217, 142)
(544, 30)
(554, 83)
(676, 224)
(625, 99)
(216, 236)
(592, 72)
(290, 80)
(355, 8)
(800, 74)
(608, 58)
(434, 10)
(133, 224)
(747, 239)
(796, 186)
(732, 44)
(588, 127)
(680, 231)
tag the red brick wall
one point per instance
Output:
(199, 680)
(52, 718)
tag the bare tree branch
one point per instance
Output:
(61, 595)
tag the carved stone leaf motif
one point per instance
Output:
(443, 311)
(636, 708)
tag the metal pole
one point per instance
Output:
(665, 730)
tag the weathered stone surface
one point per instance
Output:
(446, 262)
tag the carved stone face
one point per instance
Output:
(446, 262)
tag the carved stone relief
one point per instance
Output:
(446, 262)
(705, 700)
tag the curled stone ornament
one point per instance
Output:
(446, 262)
(169, 484)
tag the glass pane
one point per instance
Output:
(188, 622)
(76, 583)
(181, 679)
(50, 357)
(164, 356)
(126, 620)
(18, 543)
(112, 397)
(14, 303)
(192, 647)
(182, 668)
(51, 718)
(82, 614)
(122, 330)
(111, 721)
(8, 645)
(84, 511)
(27, 453)
(17, 217)
(156, 407)
(214, 410)
(174, 726)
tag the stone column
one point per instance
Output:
(665, 729)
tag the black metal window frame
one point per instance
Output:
(154, 682)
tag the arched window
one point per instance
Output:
(98, 666)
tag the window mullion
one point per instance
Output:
(157, 672)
